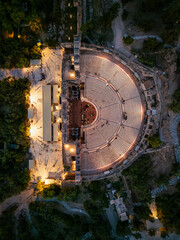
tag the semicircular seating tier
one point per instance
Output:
(119, 109)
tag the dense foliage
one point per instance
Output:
(122, 228)
(175, 105)
(98, 29)
(143, 212)
(17, 53)
(13, 14)
(19, 33)
(7, 224)
(138, 175)
(97, 192)
(53, 224)
(15, 136)
(24, 228)
(150, 14)
(99, 227)
(51, 191)
(68, 193)
(168, 207)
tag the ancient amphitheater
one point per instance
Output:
(111, 88)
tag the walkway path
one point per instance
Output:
(118, 30)
(146, 37)
(65, 205)
(27, 196)
(173, 130)
(20, 199)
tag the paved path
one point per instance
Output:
(20, 199)
(171, 182)
(112, 216)
(146, 37)
(65, 205)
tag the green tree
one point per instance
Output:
(128, 40)
(7, 224)
(86, 27)
(138, 175)
(51, 191)
(24, 229)
(122, 228)
(68, 193)
(143, 212)
(175, 105)
(168, 208)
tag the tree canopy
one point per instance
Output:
(138, 175)
(14, 177)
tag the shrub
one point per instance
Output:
(51, 191)
(147, 60)
(154, 141)
(128, 40)
(150, 44)
(125, 14)
(68, 194)
(152, 232)
(122, 228)
(143, 212)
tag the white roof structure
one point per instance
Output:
(31, 164)
(35, 62)
(49, 181)
(119, 110)
(30, 113)
(55, 94)
(55, 132)
(46, 96)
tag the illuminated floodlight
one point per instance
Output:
(66, 146)
(72, 75)
(32, 98)
(33, 131)
(71, 150)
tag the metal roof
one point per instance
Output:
(47, 132)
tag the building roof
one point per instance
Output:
(30, 113)
(47, 133)
(55, 94)
(55, 132)
(49, 181)
(31, 164)
(148, 84)
(35, 62)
